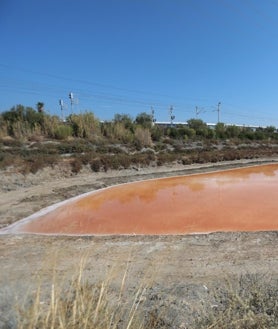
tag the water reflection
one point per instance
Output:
(232, 200)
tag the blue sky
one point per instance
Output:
(126, 56)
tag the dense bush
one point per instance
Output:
(63, 132)
(199, 126)
(84, 125)
(144, 119)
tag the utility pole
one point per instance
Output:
(152, 115)
(61, 103)
(71, 101)
(197, 111)
(218, 110)
(172, 117)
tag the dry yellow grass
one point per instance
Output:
(81, 304)
(249, 301)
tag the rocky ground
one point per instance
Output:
(177, 271)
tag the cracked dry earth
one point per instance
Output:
(177, 271)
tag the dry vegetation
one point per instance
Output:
(31, 140)
(248, 301)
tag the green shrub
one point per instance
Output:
(63, 132)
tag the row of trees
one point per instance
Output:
(26, 122)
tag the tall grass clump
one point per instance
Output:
(80, 304)
(121, 133)
(84, 125)
(142, 137)
(63, 132)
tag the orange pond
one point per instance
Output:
(233, 200)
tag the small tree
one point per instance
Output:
(17, 120)
(144, 119)
(232, 131)
(199, 126)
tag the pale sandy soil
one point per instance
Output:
(178, 270)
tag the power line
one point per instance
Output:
(56, 91)
(86, 82)
(35, 88)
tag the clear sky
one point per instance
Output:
(126, 56)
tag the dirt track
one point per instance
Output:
(179, 269)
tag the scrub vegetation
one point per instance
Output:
(248, 301)
(31, 139)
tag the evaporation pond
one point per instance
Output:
(242, 199)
